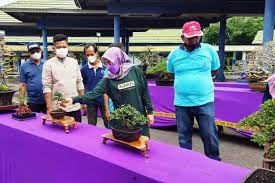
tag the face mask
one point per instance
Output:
(92, 59)
(191, 47)
(113, 68)
(61, 52)
(36, 56)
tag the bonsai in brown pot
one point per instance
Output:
(23, 111)
(259, 65)
(126, 123)
(58, 113)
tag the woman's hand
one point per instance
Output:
(65, 103)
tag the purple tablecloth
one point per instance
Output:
(32, 153)
(231, 103)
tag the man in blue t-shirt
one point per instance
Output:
(31, 79)
(193, 65)
(92, 73)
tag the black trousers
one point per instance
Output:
(75, 114)
(267, 95)
(38, 107)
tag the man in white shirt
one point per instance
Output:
(62, 74)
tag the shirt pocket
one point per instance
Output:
(202, 62)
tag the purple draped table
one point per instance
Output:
(233, 102)
(32, 153)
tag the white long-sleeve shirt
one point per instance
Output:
(62, 76)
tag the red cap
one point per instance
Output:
(192, 29)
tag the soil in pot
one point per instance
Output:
(126, 134)
(261, 176)
(58, 114)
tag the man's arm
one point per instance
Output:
(79, 82)
(106, 106)
(47, 82)
(23, 88)
(48, 99)
(214, 73)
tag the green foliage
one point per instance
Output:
(159, 68)
(22, 99)
(149, 57)
(4, 87)
(271, 152)
(239, 31)
(58, 96)
(127, 116)
(264, 120)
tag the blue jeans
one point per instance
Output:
(204, 115)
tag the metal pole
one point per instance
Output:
(116, 29)
(45, 44)
(269, 20)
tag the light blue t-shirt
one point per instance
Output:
(193, 83)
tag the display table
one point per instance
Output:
(231, 103)
(31, 152)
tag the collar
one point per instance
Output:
(182, 47)
(93, 67)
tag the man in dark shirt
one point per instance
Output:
(31, 79)
(92, 73)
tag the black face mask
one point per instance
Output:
(191, 47)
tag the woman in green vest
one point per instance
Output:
(124, 84)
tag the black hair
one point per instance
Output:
(60, 37)
(88, 45)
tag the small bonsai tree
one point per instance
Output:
(161, 70)
(264, 121)
(127, 117)
(261, 62)
(22, 99)
(58, 97)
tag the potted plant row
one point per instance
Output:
(164, 78)
(126, 123)
(264, 121)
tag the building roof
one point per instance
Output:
(259, 37)
(42, 4)
(5, 18)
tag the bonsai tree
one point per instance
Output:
(161, 70)
(58, 97)
(149, 57)
(127, 117)
(22, 107)
(264, 121)
(261, 62)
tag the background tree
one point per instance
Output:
(239, 31)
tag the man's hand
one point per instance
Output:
(151, 119)
(49, 109)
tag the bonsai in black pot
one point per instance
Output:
(126, 123)
(58, 113)
(6, 93)
(23, 112)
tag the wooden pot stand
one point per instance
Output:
(65, 122)
(141, 144)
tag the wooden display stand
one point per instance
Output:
(65, 122)
(141, 144)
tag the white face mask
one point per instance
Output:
(92, 59)
(61, 52)
(36, 56)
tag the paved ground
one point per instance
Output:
(234, 148)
